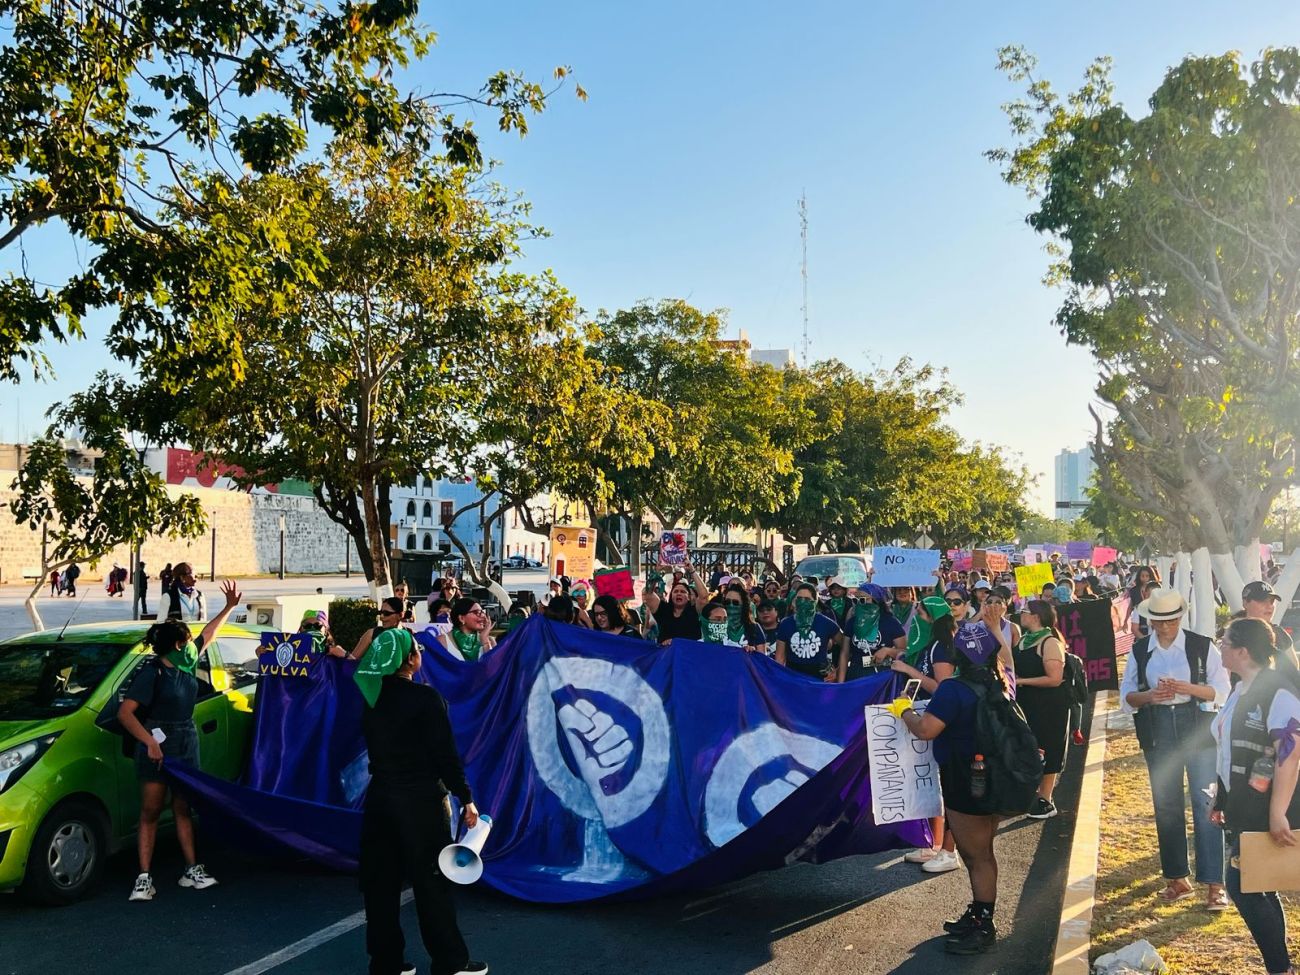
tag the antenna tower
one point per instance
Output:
(803, 236)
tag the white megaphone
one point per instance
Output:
(461, 862)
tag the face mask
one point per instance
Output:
(443, 617)
(185, 658)
(715, 632)
(837, 604)
(735, 622)
(804, 611)
(866, 622)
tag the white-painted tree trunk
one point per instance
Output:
(380, 593)
(1287, 584)
(1164, 565)
(30, 603)
(1203, 605)
(1248, 564)
(1230, 580)
(1183, 576)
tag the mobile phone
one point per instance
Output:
(911, 687)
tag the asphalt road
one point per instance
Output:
(861, 915)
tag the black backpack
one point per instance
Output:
(1013, 765)
(1075, 679)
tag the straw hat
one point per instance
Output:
(1163, 604)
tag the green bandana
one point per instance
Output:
(805, 611)
(919, 633)
(469, 644)
(184, 658)
(837, 604)
(385, 655)
(715, 632)
(866, 623)
(735, 623)
(1031, 639)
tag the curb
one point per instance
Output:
(1074, 937)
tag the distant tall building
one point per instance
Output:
(780, 358)
(1074, 470)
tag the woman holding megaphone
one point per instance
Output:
(406, 820)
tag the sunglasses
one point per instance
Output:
(733, 602)
(388, 612)
(955, 602)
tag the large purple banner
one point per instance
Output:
(611, 767)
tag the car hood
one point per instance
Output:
(16, 732)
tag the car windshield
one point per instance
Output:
(45, 680)
(826, 566)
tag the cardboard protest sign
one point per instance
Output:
(1102, 554)
(672, 548)
(1034, 554)
(1030, 579)
(896, 566)
(904, 774)
(616, 582)
(1090, 632)
(573, 551)
(1078, 550)
(992, 561)
(286, 654)
(1051, 548)
(961, 560)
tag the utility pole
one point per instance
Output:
(803, 237)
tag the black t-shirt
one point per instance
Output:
(686, 626)
(166, 695)
(409, 740)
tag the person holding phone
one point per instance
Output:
(406, 820)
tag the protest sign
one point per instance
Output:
(1090, 633)
(961, 560)
(1030, 579)
(1078, 550)
(1051, 548)
(285, 654)
(573, 551)
(616, 582)
(672, 548)
(904, 774)
(1034, 555)
(904, 566)
(1101, 555)
(990, 560)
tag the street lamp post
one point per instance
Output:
(282, 545)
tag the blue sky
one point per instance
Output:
(679, 176)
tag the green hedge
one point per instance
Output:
(349, 618)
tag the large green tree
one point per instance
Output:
(1177, 236)
(108, 106)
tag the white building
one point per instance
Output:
(1074, 470)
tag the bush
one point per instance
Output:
(349, 618)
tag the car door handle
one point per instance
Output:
(209, 727)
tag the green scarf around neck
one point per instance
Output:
(866, 622)
(184, 658)
(1028, 640)
(469, 644)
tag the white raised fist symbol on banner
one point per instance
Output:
(600, 746)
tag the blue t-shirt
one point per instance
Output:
(862, 650)
(935, 653)
(812, 655)
(954, 704)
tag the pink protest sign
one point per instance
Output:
(1102, 554)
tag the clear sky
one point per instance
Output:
(681, 174)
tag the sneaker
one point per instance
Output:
(1042, 809)
(143, 889)
(197, 878)
(473, 968)
(942, 862)
(974, 941)
(408, 968)
(967, 922)
(1077, 737)
(920, 855)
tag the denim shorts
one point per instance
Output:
(181, 745)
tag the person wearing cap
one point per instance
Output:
(872, 634)
(1173, 683)
(837, 604)
(554, 586)
(1260, 603)
(949, 721)
(1261, 714)
(317, 623)
(406, 820)
(978, 593)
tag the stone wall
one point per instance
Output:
(247, 539)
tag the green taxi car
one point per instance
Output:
(68, 792)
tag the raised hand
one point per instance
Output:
(230, 589)
(600, 746)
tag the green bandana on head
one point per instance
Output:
(184, 658)
(866, 622)
(385, 656)
(805, 611)
(469, 644)
(736, 623)
(715, 632)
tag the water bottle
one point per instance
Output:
(979, 783)
(1261, 774)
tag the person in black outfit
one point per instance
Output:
(413, 764)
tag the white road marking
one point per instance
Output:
(289, 952)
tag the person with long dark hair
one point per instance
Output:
(949, 721)
(158, 712)
(610, 616)
(1043, 695)
(1143, 576)
(742, 630)
(872, 634)
(391, 611)
(470, 636)
(1259, 723)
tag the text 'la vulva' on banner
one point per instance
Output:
(904, 774)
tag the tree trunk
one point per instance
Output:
(1225, 569)
(1248, 565)
(1287, 583)
(1164, 568)
(1183, 576)
(29, 603)
(376, 541)
(1203, 604)
(634, 543)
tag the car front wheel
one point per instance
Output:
(67, 855)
